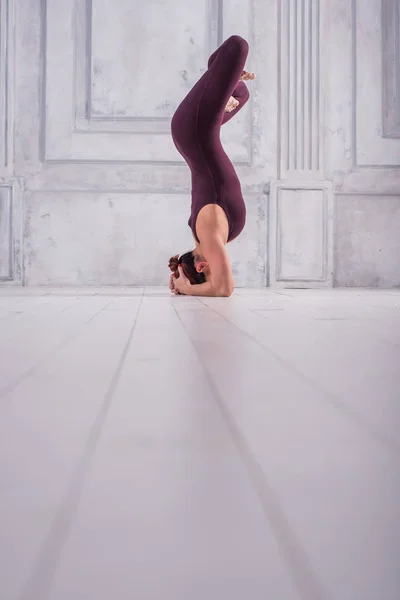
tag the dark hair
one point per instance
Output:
(186, 261)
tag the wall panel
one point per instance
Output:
(128, 243)
(6, 84)
(301, 237)
(301, 216)
(367, 244)
(6, 250)
(116, 99)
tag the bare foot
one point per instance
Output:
(232, 104)
(246, 76)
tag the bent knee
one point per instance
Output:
(238, 42)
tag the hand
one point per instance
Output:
(232, 104)
(172, 280)
(246, 76)
(182, 283)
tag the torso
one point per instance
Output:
(220, 196)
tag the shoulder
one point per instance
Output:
(212, 223)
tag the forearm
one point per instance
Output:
(206, 289)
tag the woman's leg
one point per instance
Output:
(201, 113)
(226, 65)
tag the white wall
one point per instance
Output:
(92, 190)
(362, 95)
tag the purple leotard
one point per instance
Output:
(196, 128)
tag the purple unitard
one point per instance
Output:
(196, 128)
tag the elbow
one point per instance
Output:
(226, 292)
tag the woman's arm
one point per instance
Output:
(221, 282)
(183, 286)
(217, 256)
(204, 289)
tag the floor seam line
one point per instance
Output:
(39, 582)
(302, 575)
(365, 425)
(52, 351)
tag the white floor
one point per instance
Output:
(170, 448)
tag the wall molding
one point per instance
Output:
(86, 118)
(381, 195)
(301, 206)
(314, 268)
(6, 238)
(300, 81)
(6, 84)
(11, 235)
(72, 131)
(366, 154)
(391, 68)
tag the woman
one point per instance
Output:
(218, 212)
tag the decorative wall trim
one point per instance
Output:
(308, 264)
(73, 132)
(11, 238)
(129, 191)
(6, 238)
(10, 191)
(301, 215)
(6, 84)
(371, 148)
(391, 68)
(380, 195)
(83, 74)
(300, 88)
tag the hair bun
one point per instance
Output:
(173, 263)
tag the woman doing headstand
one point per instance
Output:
(218, 211)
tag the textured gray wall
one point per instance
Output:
(367, 237)
(92, 190)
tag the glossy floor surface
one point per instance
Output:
(174, 448)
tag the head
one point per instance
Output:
(193, 266)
